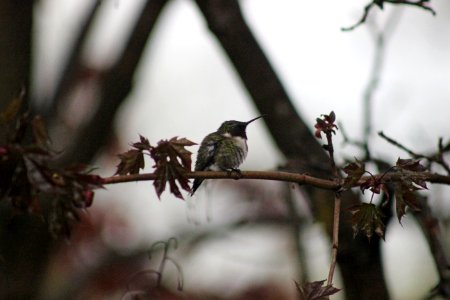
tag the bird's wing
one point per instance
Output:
(206, 153)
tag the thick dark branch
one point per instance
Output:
(431, 230)
(16, 24)
(115, 86)
(72, 65)
(295, 140)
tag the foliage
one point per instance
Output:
(29, 182)
(367, 217)
(172, 163)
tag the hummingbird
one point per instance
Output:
(223, 150)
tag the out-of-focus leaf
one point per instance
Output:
(367, 218)
(315, 290)
(408, 185)
(354, 171)
(375, 185)
(410, 164)
(414, 166)
(10, 112)
(172, 162)
(40, 134)
(27, 175)
(405, 197)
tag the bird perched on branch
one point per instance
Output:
(223, 150)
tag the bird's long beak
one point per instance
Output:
(255, 119)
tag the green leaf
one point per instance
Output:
(367, 218)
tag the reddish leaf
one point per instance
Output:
(366, 217)
(130, 162)
(315, 290)
(172, 162)
(325, 125)
(27, 175)
(410, 164)
(375, 185)
(354, 171)
(143, 144)
(405, 197)
(413, 166)
(88, 197)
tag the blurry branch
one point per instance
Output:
(295, 141)
(437, 157)
(432, 232)
(303, 179)
(373, 84)
(296, 223)
(116, 83)
(72, 66)
(16, 28)
(166, 258)
(380, 3)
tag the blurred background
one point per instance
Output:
(103, 72)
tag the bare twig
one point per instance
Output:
(437, 158)
(362, 19)
(380, 3)
(420, 3)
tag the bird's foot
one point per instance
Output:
(237, 173)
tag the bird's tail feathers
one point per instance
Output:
(197, 182)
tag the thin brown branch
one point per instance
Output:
(329, 131)
(304, 179)
(421, 4)
(437, 158)
(279, 176)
